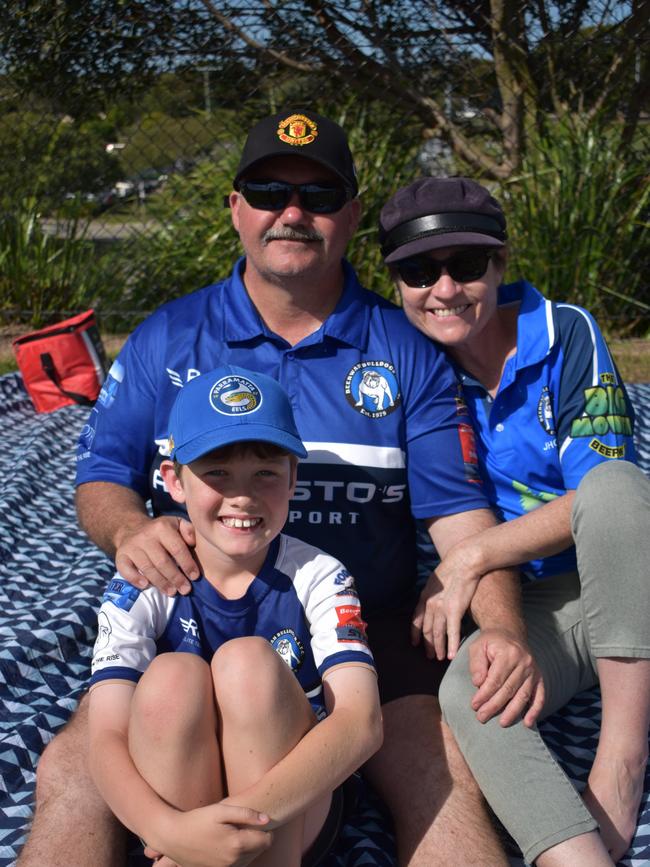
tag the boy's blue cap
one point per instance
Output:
(231, 405)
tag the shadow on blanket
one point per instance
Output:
(51, 579)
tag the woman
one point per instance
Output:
(551, 415)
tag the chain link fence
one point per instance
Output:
(121, 123)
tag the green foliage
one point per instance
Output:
(46, 156)
(81, 55)
(40, 273)
(385, 149)
(196, 243)
(578, 219)
(158, 140)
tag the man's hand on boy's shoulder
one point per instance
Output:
(158, 553)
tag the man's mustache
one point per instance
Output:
(291, 234)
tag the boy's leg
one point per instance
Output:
(173, 731)
(72, 824)
(263, 714)
(611, 516)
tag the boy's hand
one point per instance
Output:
(219, 835)
(158, 553)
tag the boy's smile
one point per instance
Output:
(237, 506)
(244, 523)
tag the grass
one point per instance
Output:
(632, 356)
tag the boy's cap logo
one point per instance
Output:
(297, 129)
(235, 395)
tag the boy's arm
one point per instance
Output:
(328, 753)
(213, 836)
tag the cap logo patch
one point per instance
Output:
(297, 129)
(235, 395)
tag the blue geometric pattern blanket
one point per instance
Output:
(51, 579)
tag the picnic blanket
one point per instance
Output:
(51, 579)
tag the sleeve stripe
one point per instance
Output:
(550, 324)
(594, 363)
(116, 673)
(594, 354)
(346, 656)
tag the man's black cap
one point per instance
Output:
(439, 212)
(300, 132)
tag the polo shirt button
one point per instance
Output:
(499, 427)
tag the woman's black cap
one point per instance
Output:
(439, 212)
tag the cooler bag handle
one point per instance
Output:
(49, 369)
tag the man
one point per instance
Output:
(375, 405)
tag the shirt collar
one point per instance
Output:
(536, 333)
(348, 323)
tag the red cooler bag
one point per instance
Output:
(63, 363)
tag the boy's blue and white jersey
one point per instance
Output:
(374, 401)
(302, 601)
(561, 408)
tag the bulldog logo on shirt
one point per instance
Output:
(372, 389)
(289, 647)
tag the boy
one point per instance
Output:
(212, 747)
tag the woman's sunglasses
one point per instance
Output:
(276, 195)
(463, 267)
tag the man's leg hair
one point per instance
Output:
(439, 813)
(72, 824)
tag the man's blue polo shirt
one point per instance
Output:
(375, 403)
(561, 408)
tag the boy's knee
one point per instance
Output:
(251, 669)
(175, 687)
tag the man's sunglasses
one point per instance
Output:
(463, 267)
(276, 195)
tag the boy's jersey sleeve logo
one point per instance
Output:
(121, 594)
(289, 647)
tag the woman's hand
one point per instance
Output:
(444, 600)
(507, 678)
